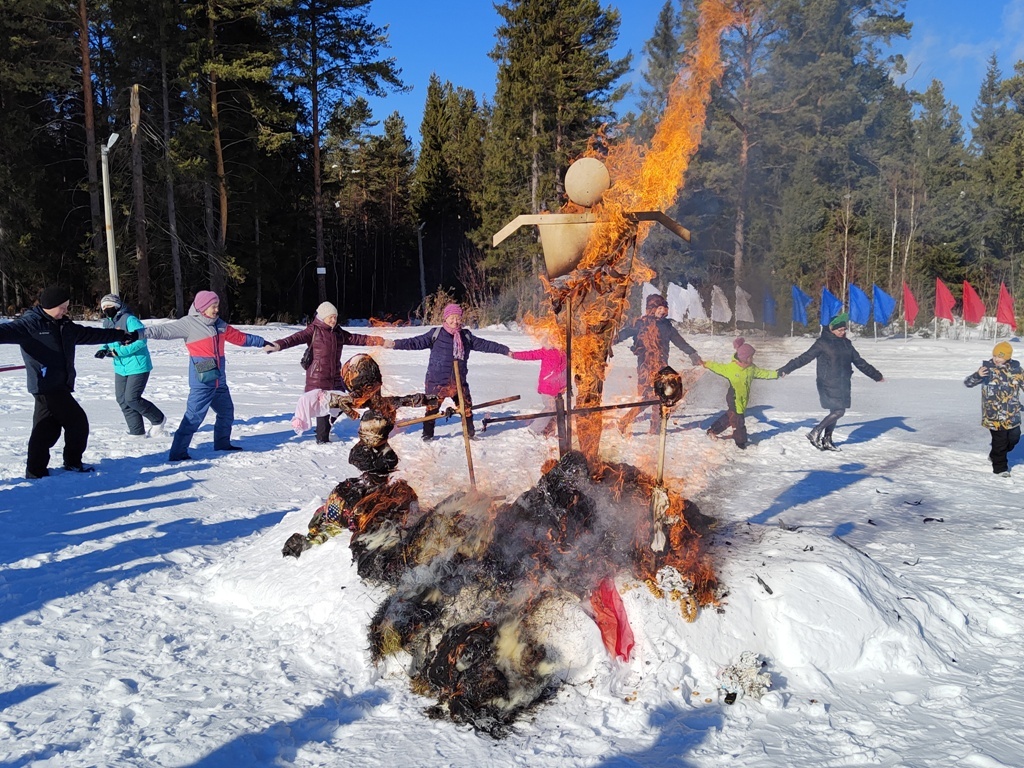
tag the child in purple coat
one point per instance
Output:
(449, 342)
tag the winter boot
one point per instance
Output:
(826, 443)
(814, 436)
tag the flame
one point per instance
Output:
(652, 180)
(645, 179)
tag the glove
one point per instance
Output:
(100, 354)
(695, 360)
(130, 337)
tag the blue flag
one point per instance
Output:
(860, 306)
(830, 306)
(800, 303)
(768, 309)
(884, 306)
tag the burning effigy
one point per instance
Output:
(472, 580)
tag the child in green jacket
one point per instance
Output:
(740, 372)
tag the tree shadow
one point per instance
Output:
(23, 693)
(57, 530)
(816, 484)
(280, 743)
(679, 731)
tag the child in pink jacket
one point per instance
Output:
(550, 383)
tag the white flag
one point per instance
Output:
(678, 302)
(648, 290)
(696, 307)
(720, 311)
(743, 313)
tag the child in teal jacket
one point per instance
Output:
(132, 365)
(740, 372)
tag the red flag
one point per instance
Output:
(944, 301)
(974, 310)
(610, 615)
(909, 305)
(1004, 308)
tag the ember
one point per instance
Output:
(471, 577)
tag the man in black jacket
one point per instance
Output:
(48, 339)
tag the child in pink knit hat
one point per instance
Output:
(551, 381)
(740, 372)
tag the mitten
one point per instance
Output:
(100, 354)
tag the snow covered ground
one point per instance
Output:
(147, 617)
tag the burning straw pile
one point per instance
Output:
(475, 583)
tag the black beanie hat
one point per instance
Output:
(53, 296)
(656, 300)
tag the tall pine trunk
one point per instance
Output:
(145, 303)
(318, 214)
(96, 213)
(218, 277)
(172, 217)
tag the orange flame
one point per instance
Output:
(652, 180)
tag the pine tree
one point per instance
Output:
(332, 53)
(557, 83)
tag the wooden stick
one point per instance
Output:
(12, 368)
(591, 409)
(568, 375)
(465, 413)
(441, 415)
(661, 446)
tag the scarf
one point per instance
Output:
(458, 348)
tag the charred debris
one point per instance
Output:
(476, 586)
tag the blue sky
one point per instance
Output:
(951, 41)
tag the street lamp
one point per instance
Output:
(108, 214)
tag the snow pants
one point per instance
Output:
(731, 419)
(128, 393)
(56, 411)
(1003, 441)
(441, 392)
(200, 400)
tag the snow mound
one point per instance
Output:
(828, 609)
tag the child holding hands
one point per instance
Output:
(740, 372)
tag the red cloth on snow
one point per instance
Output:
(610, 615)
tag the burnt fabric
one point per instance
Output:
(611, 618)
(836, 358)
(327, 344)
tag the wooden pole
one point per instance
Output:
(465, 413)
(442, 414)
(568, 374)
(592, 409)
